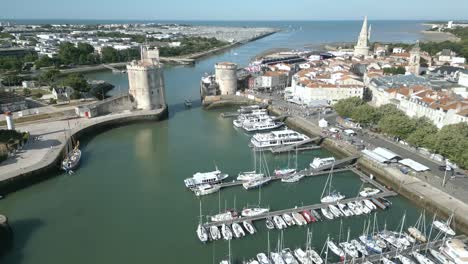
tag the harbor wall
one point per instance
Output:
(50, 166)
(220, 101)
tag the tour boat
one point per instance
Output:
(215, 234)
(444, 228)
(263, 259)
(237, 230)
(202, 234)
(251, 119)
(279, 222)
(248, 108)
(302, 256)
(269, 223)
(249, 176)
(456, 250)
(262, 126)
(421, 258)
(316, 215)
(404, 260)
(345, 210)
(369, 192)
(206, 189)
(318, 163)
(200, 178)
(226, 231)
(277, 139)
(249, 227)
(370, 244)
(314, 256)
(440, 257)
(369, 204)
(288, 256)
(256, 183)
(349, 249)
(226, 216)
(335, 249)
(359, 247)
(299, 219)
(335, 211)
(254, 211)
(288, 219)
(327, 213)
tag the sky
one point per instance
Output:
(234, 10)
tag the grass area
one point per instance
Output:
(32, 118)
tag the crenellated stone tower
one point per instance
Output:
(414, 64)
(362, 47)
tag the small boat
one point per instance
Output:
(349, 249)
(277, 258)
(256, 183)
(249, 227)
(354, 208)
(326, 213)
(279, 222)
(335, 249)
(295, 177)
(215, 234)
(226, 231)
(371, 244)
(359, 247)
(288, 256)
(366, 192)
(418, 235)
(302, 256)
(390, 238)
(72, 159)
(284, 172)
(269, 223)
(237, 230)
(206, 189)
(421, 258)
(252, 261)
(249, 176)
(314, 256)
(263, 259)
(288, 219)
(335, 211)
(226, 216)
(202, 234)
(188, 103)
(254, 211)
(444, 227)
(307, 216)
(369, 204)
(385, 201)
(378, 203)
(299, 219)
(363, 207)
(316, 215)
(318, 163)
(345, 210)
(404, 260)
(441, 258)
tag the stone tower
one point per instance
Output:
(146, 80)
(414, 61)
(362, 47)
(226, 77)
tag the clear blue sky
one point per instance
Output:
(234, 9)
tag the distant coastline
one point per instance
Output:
(436, 36)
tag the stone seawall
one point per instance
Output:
(51, 166)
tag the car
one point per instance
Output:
(445, 168)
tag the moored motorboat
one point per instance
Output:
(316, 214)
(288, 219)
(279, 222)
(226, 232)
(206, 189)
(369, 204)
(299, 219)
(202, 233)
(263, 259)
(237, 230)
(254, 211)
(345, 210)
(214, 232)
(277, 258)
(335, 249)
(249, 176)
(249, 227)
(201, 178)
(284, 172)
(366, 192)
(256, 183)
(318, 163)
(326, 213)
(269, 223)
(335, 211)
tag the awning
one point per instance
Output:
(414, 165)
(386, 153)
(374, 156)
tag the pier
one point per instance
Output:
(113, 69)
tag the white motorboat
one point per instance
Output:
(421, 258)
(226, 232)
(201, 178)
(359, 247)
(254, 211)
(269, 223)
(237, 230)
(326, 213)
(206, 189)
(363, 207)
(404, 260)
(293, 177)
(277, 139)
(349, 249)
(371, 244)
(444, 227)
(284, 172)
(214, 232)
(369, 204)
(335, 211)
(279, 222)
(248, 108)
(302, 256)
(346, 211)
(249, 176)
(249, 227)
(202, 234)
(456, 250)
(366, 192)
(262, 126)
(335, 249)
(441, 258)
(354, 208)
(288, 256)
(256, 183)
(314, 256)
(244, 120)
(318, 163)
(299, 219)
(316, 215)
(277, 258)
(226, 216)
(263, 259)
(288, 219)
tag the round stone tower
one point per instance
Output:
(226, 77)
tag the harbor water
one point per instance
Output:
(127, 202)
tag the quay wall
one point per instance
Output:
(51, 166)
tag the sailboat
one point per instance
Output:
(227, 261)
(257, 210)
(201, 231)
(251, 175)
(73, 156)
(261, 180)
(288, 170)
(331, 196)
(445, 226)
(295, 176)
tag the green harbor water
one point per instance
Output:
(127, 202)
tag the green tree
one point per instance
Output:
(345, 107)
(77, 82)
(49, 77)
(424, 135)
(398, 125)
(452, 142)
(365, 115)
(394, 70)
(68, 53)
(26, 92)
(109, 55)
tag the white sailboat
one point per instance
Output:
(249, 227)
(251, 175)
(237, 230)
(201, 231)
(326, 213)
(256, 183)
(422, 259)
(329, 196)
(214, 232)
(445, 226)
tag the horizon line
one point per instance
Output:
(232, 20)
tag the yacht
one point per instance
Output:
(206, 189)
(226, 231)
(251, 119)
(328, 194)
(332, 197)
(277, 138)
(284, 172)
(335, 249)
(249, 176)
(440, 257)
(263, 259)
(349, 249)
(421, 258)
(369, 192)
(318, 163)
(262, 126)
(444, 227)
(387, 261)
(456, 250)
(288, 256)
(302, 256)
(200, 178)
(72, 160)
(390, 238)
(202, 234)
(363, 207)
(279, 222)
(214, 232)
(254, 211)
(299, 219)
(226, 216)
(249, 227)
(288, 219)
(256, 183)
(237, 230)
(355, 209)
(326, 213)
(295, 177)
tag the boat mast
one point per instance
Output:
(331, 179)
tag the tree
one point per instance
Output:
(346, 107)
(49, 77)
(398, 125)
(424, 135)
(365, 115)
(77, 82)
(388, 109)
(109, 54)
(394, 70)
(26, 92)
(452, 142)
